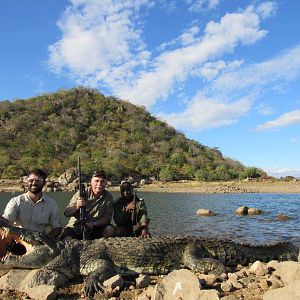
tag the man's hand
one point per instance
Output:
(80, 202)
(90, 225)
(130, 206)
(3, 221)
(145, 233)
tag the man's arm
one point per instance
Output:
(121, 217)
(11, 210)
(55, 222)
(143, 219)
(72, 208)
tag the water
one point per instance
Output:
(173, 213)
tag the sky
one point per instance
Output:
(226, 73)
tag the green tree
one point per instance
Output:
(167, 174)
(251, 173)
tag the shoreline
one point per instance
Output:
(185, 186)
(236, 187)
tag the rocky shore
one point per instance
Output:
(237, 187)
(259, 281)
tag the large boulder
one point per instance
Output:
(289, 292)
(20, 280)
(179, 284)
(205, 212)
(245, 210)
(288, 271)
(67, 177)
(242, 210)
(283, 217)
(254, 211)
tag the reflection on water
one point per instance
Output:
(173, 213)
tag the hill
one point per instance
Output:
(50, 131)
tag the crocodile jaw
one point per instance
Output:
(32, 252)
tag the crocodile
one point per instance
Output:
(59, 262)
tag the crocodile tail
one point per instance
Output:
(281, 251)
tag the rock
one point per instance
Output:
(230, 297)
(289, 292)
(178, 284)
(259, 269)
(20, 280)
(254, 211)
(253, 285)
(264, 284)
(42, 292)
(113, 282)
(205, 212)
(283, 217)
(11, 280)
(233, 280)
(275, 282)
(208, 295)
(288, 271)
(233, 276)
(143, 281)
(39, 276)
(246, 280)
(67, 177)
(146, 295)
(242, 210)
(209, 279)
(226, 287)
(242, 273)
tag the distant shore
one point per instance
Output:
(184, 186)
(251, 186)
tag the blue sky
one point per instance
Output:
(224, 72)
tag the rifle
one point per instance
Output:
(135, 225)
(82, 210)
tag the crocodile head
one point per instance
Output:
(25, 249)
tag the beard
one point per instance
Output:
(35, 189)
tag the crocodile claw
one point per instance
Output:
(92, 287)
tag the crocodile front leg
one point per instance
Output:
(60, 270)
(94, 282)
(197, 259)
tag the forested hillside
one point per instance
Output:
(51, 131)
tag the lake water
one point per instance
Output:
(173, 213)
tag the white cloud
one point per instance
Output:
(187, 38)
(267, 9)
(97, 38)
(256, 78)
(175, 66)
(283, 172)
(285, 120)
(264, 109)
(249, 80)
(198, 5)
(211, 70)
(102, 46)
(203, 113)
